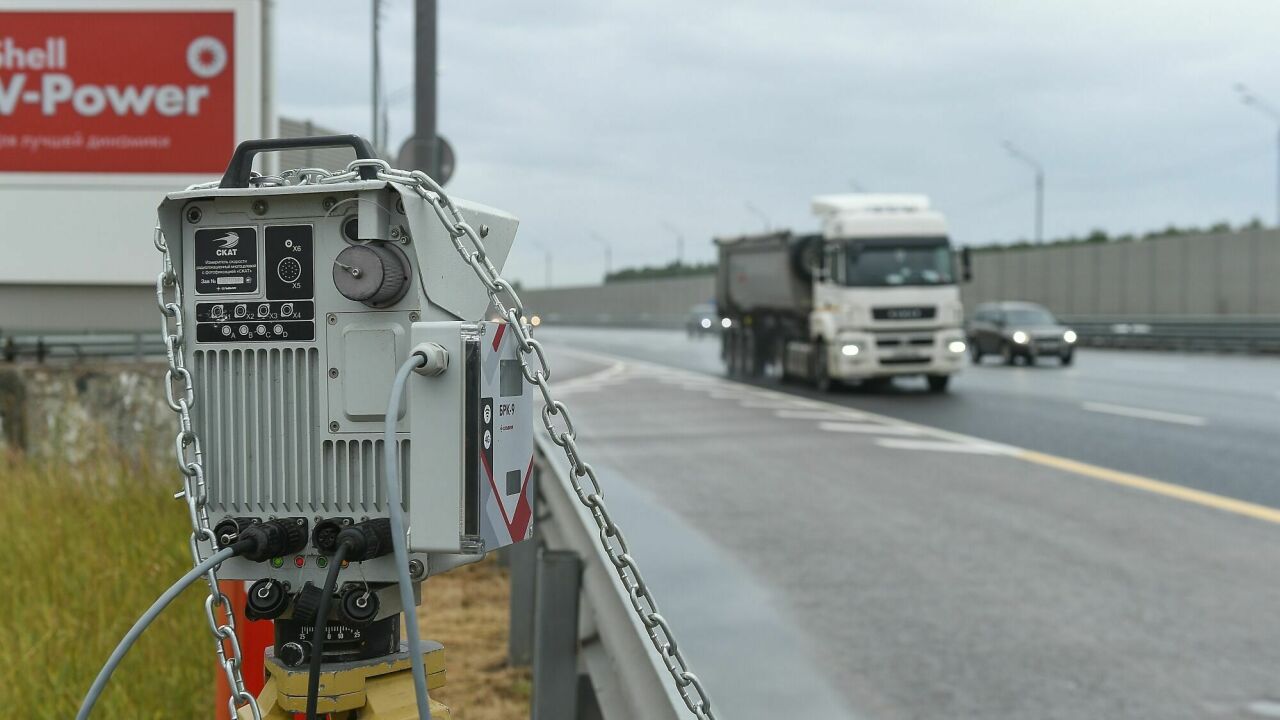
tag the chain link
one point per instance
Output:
(180, 395)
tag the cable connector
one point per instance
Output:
(262, 541)
(435, 359)
(367, 540)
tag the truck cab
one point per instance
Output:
(886, 300)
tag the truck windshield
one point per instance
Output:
(882, 265)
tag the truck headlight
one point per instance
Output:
(1070, 336)
(706, 323)
(1020, 337)
(726, 323)
(849, 350)
(956, 346)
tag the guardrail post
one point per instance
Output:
(555, 636)
(522, 559)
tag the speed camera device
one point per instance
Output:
(300, 300)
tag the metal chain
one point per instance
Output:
(180, 394)
(512, 310)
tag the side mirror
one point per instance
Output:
(966, 265)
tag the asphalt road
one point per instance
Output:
(939, 575)
(1209, 422)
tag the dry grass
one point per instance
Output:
(466, 610)
(90, 544)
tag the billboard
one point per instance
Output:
(105, 106)
(116, 92)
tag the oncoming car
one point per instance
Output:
(702, 319)
(1019, 331)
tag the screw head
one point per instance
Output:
(259, 207)
(328, 203)
(416, 569)
(333, 426)
(333, 372)
(333, 319)
(194, 214)
(413, 317)
(395, 232)
(484, 231)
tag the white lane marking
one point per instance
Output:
(867, 428)
(820, 415)
(942, 446)
(767, 404)
(1145, 414)
(834, 407)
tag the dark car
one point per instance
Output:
(702, 320)
(1019, 330)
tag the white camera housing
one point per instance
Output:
(292, 377)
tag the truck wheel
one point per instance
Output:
(975, 352)
(729, 345)
(821, 372)
(1006, 352)
(1068, 357)
(938, 383)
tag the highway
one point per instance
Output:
(1032, 545)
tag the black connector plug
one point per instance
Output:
(366, 540)
(273, 538)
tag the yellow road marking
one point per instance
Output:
(1138, 482)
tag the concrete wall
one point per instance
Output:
(1227, 274)
(648, 303)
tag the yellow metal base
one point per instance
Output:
(380, 689)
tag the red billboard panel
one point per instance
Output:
(117, 92)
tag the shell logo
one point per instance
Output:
(206, 57)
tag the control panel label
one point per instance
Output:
(226, 261)
(288, 262)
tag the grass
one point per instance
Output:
(91, 543)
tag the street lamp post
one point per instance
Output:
(547, 254)
(763, 218)
(679, 241)
(608, 253)
(1039, 170)
(1252, 100)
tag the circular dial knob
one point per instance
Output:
(374, 274)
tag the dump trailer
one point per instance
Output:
(871, 297)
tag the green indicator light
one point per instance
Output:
(322, 561)
(277, 562)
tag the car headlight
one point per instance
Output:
(956, 346)
(1020, 337)
(535, 320)
(849, 350)
(1070, 336)
(706, 323)
(726, 323)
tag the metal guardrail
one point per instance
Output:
(1230, 333)
(571, 620)
(80, 346)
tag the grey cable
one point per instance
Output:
(394, 509)
(141, 625)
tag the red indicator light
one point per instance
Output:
(299, 561)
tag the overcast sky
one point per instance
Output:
(626, 120)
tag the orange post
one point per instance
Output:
(255, 637)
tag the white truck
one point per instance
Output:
(873, 297)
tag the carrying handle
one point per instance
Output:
(238, 170)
